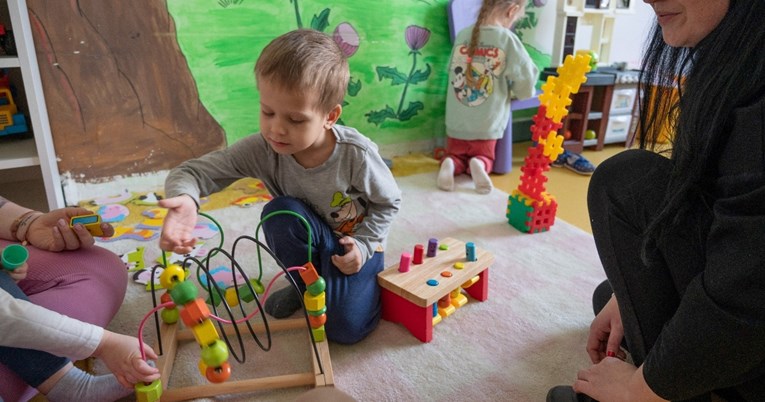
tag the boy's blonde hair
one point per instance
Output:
(306, 60)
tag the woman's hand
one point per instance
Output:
(614, 380)
(178, 227)
(606, 333)
(350, 262)
(51, 231)
(122, 356)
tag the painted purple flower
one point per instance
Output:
(416, 37)
(347, 38)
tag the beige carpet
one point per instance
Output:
(528, 336)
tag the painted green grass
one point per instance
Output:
(221, 40)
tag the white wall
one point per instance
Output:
(630, 34)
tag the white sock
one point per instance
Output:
(446, 175)
(481, 179)
(77, 385)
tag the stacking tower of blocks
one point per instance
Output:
(529, 208)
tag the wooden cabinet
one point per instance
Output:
(37, 151)
(590, 110)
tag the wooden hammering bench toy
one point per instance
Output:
(421, 290)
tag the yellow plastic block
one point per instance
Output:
(314, 303)
(446, 311)
(205, 333)
(437, 319)
(458, 299)
(471, 282)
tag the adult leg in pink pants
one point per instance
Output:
(88, 284)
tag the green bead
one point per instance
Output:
(244, 290)
(317, 287)
(183, 293)
(214, 298)
(317, 313)
(215, 353)
(170, 315)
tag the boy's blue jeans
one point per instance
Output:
(33, 366)
(353, 301)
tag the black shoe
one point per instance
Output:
(565, 393)
(283, 303)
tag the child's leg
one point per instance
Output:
(445, 180)
(287, 237)
(481, 162)
(459, 151)
(353, 301)
(481, 180)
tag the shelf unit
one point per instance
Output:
(587, 24)
(37, 151)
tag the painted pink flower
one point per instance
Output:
(416, 37)
(347, 38)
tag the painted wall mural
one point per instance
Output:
(138, 87)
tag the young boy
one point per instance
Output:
(329, 174)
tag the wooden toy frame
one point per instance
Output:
(172, 335)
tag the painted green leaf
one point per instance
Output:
(320, 22)
(391, 72)
(379, 116)
(411, 111)
(354, 87)
(419, 75)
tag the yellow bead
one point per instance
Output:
(205, 333)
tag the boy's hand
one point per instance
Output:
(122, 356)
(179, 224)
(51, 231)
(350, 263)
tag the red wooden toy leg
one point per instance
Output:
(418, 320)
(480, 289)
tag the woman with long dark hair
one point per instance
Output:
(680, 230)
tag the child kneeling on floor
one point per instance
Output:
(488, 65)
(329, 174)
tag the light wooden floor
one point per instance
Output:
(568, 188)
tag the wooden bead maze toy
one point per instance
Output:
(181, 301)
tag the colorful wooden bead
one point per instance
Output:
(205, 332)
(183, 292)
(194, 313)
(309, 274)
(171, 275)
(317, 287)
(218, 374)
(215, 353)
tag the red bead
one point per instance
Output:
(218, 374)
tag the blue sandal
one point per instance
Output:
(574, 162)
